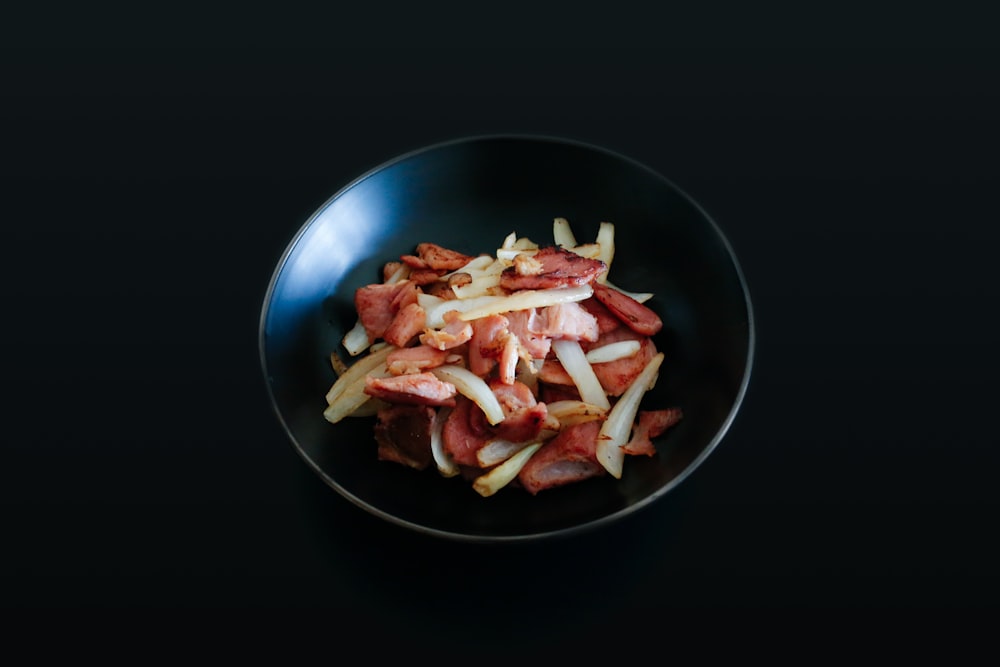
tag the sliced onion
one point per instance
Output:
(484, 306)
(617, 427)
(498, 450)
(353, 396)
(357, 371)
(356, 340)
(562, 234)
(568, 412)
(606, 241)
(574, 361)
(613, 351)
(473, 387)
(445, 464)
(503, 474)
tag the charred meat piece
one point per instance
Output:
(403, 434)
(559, 268)
(439, 258)
(569, 457)
(606, 320)
(524, 417)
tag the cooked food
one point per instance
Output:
(524, 367)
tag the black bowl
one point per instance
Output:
(468, 195)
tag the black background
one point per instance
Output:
(150, 185)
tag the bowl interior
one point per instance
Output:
(468, 195)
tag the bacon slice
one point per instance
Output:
(403, 434)
(559, 268)
(616, 376)
(606, 320)
(406, 325)
(650, 424)
(415, 359)
(521, 323)
(569, 457)
(463, 434)
(412, 389)
(454, 333)
(566, 320)
(487, 343)
(440, 258)
(635, 315)
(378, 303)
(524, 416)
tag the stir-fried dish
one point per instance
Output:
(524, 367)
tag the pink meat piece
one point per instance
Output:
(606, 320)
(486, 343)
(416, 359)
(636, 316)
(521, 323)
(524, 416)
(569, 321)
(412, 389)
(377, 305)
(616, 376)
(465, 432)
(650, 424)
(406, 325)
(559, 268)
(403, 434)
(569, 457)
(455, 332)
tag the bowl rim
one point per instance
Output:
(576, 529)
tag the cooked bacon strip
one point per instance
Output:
(412, 389)
(635, 315)
(378, 303)
(569, 457)
(486, 343)
(559, 268)
(406, 325)
(440, 258)
(606, 320)
(650, 424)
(423, 277)
(521, 323)
(524, 416)
(616, 376)
(565, 320)
(465, 432)
(403, 434)
(415, 359)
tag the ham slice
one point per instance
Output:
(633, 314)
(569, 457)
(415, 359)
(558, 268)
(377, 305)
(566, 320)
(412, 389)
(406, 325)
(463, 434)
(440, 258)
(650, 424)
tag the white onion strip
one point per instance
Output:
(357, 371)
(613, 351)
(497, 451)
(617, 427)
(484, 306)
(571, 356)
(503, 474)
(473, 387)
(562, 233)
(352, 397)
(445, 464)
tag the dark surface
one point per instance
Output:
(148, 196)
(468, 195)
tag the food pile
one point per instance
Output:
(524, 367)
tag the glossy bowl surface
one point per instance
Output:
(468, 194)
